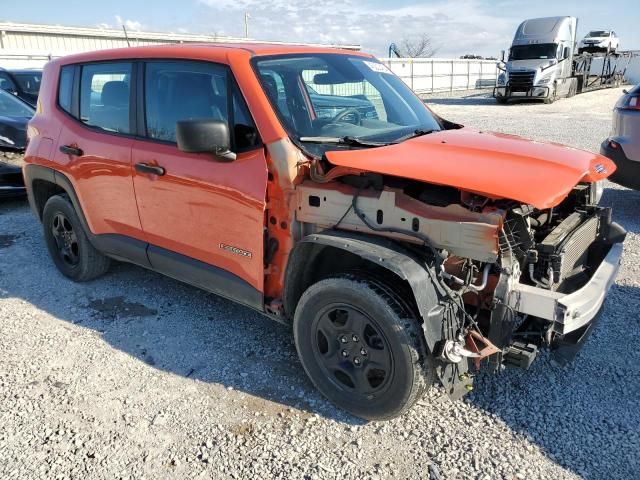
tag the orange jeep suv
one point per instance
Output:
(312, 185)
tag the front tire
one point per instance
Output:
(67, 242)
(362, 347)
(551, 98)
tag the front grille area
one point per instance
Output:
(521, 81)
(566, 250)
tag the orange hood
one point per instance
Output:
(491, 164)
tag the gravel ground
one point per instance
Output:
(137, 376)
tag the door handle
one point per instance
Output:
(71, 150)
(150, 169)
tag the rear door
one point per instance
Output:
(94, 146)
(203, 218)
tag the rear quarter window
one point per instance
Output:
(65, 88)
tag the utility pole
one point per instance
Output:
(246, 24)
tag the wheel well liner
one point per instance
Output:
(44, 182)
(318, 255)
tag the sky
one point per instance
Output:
(481, 27)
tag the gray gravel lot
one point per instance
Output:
(137, 376)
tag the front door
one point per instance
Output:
(203, 218)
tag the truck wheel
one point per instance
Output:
(551, 98)
(68, 244)
(361, 347)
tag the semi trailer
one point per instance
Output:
(542, 63)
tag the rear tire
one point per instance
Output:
(67, 242)
(362, 347)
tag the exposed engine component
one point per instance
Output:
(454, 351)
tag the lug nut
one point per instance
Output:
(354, 337)
(357, 361)
(343, 339)
(363, 351)
(345, 353)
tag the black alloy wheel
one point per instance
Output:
(66, 239)
(352, 349)
(362, 346)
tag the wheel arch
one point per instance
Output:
(44, 182)
(320, 255)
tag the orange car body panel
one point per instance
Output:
(202, 203)
(492, 164)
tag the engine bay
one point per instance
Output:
(478, 246)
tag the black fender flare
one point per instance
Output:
(118, 247)
(381, 251)
(33, 172)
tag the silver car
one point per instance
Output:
(623, 146)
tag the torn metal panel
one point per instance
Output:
(454, 228)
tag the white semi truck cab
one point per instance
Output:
(540, 61)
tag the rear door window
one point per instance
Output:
(29, 81)
(105, 90)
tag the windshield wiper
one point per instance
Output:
(347, 140)
(416, 133)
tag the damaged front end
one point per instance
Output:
(563, 262)
(508, 278)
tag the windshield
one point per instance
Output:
(533, 52)
(598, 33)
(29, 81)
(10, 106)
(338, 95)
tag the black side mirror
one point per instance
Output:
(502, 56)
(567, 53)
(205, 136)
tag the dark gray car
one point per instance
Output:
(623, 146)
(24, 84)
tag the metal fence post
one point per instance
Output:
(411, 70)
(468, 74)
(452, 69)
(432, 76)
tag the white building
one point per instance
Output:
(32, 45)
